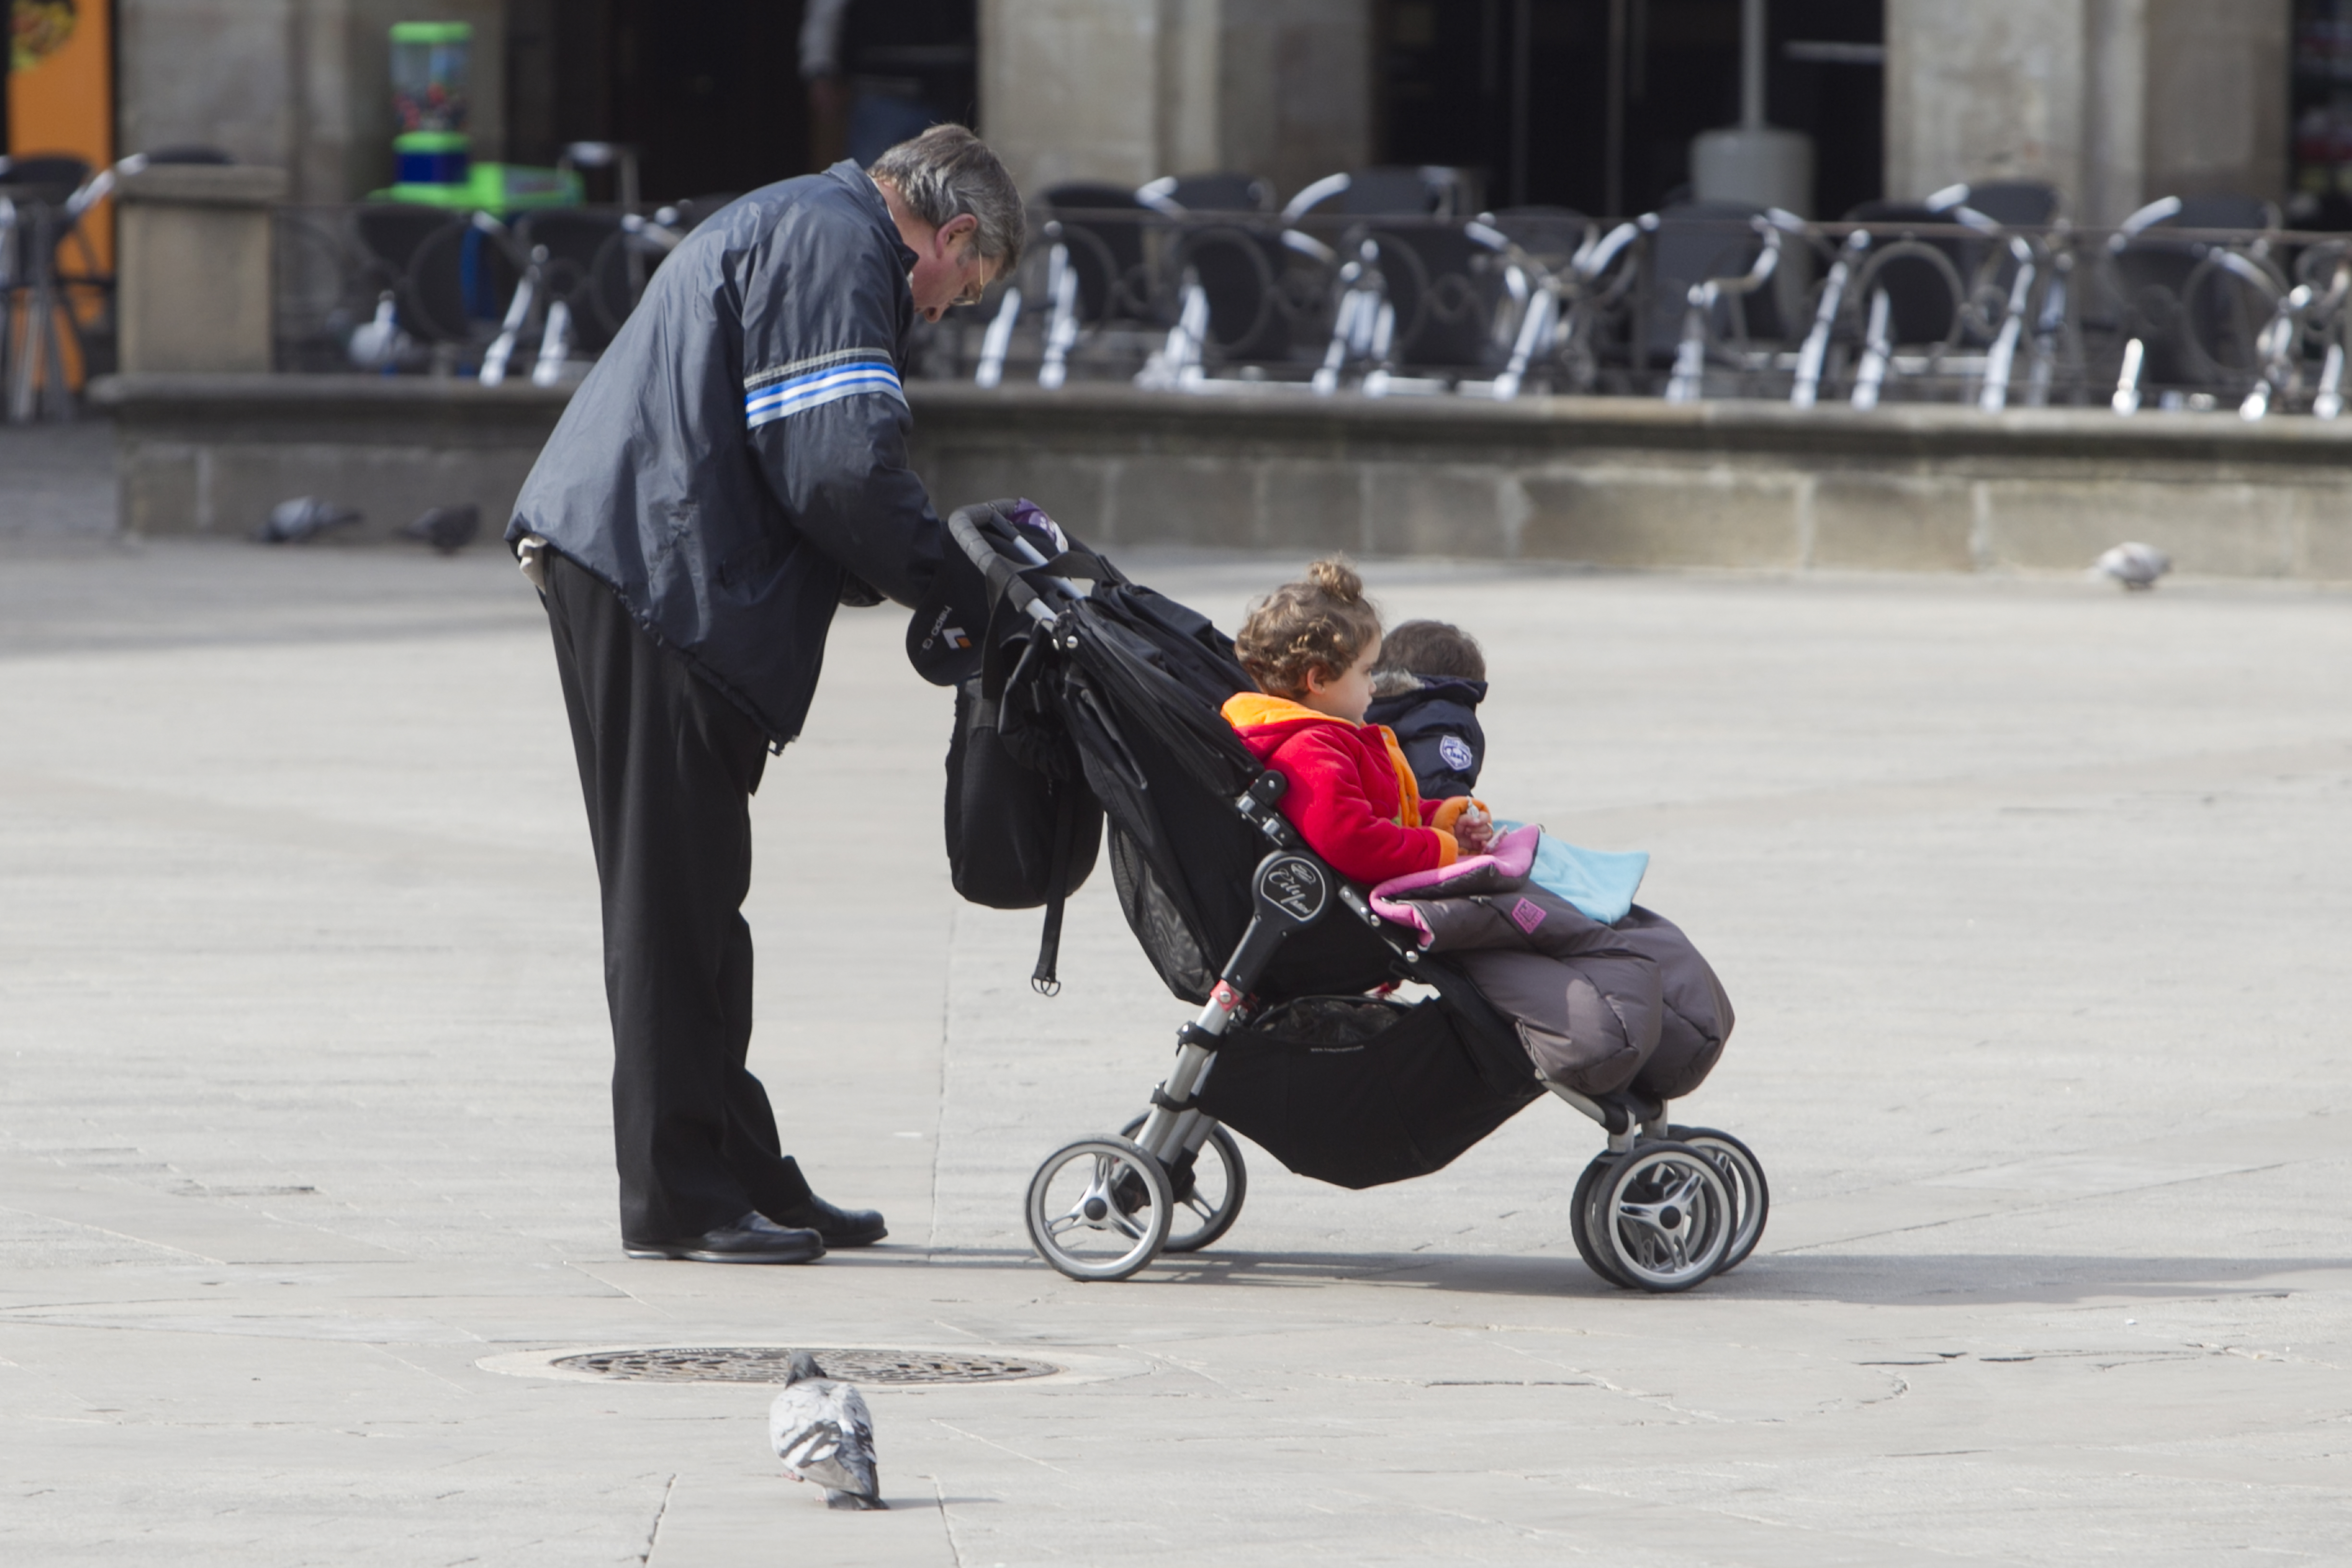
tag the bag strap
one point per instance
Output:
(1043, 979)
(993, 677)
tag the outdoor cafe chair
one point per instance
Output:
(1181, 195)
(1415, 298)
(455, 278)
(1908, 300)
(39, 214)
(2306, 320)
(1718, 324)
(1239, 270)
(1685, 248)
(43, 201)
(580, 274)
(2190, 283)
(584, 270)
(433, 301)
(1429, 192)
(1566, 280)
(2013, 204)
(1104, 230)
(1228, 248)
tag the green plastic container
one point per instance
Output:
(498, 189)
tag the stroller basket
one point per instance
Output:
(1120, 686)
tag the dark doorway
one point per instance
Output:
(1592, 104)
(709, 91)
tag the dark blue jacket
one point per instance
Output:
(1437, 727)
(739, 452)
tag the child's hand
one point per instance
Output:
(1473, 830)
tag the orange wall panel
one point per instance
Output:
(61, 100)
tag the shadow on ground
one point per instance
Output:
(1855, 1278)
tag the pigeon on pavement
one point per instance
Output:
(447, 529)
(823, 1433)
(2136, 567)
(302, 518)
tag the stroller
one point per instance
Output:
(1102, 704)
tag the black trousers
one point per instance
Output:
(667, 765)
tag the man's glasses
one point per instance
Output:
(976, 291)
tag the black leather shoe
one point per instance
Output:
(754, 1238)
(839, 1226)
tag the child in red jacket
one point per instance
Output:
(1311, 644)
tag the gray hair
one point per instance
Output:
(947, 172)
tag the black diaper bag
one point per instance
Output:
(1023, 828)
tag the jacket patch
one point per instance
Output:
(811, 383)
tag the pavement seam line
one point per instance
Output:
(999, 1446)
(946, 1523)
(940, 1102)
(653, 1536)
(118, 1235)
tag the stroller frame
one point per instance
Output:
(1662, 1208)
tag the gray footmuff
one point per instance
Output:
(1598, 1007)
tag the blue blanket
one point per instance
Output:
(1600, 882)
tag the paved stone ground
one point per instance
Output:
(2033, 896)
(57, 483)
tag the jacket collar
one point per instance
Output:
(1459, 687)
(1257, 709)
(869, 196)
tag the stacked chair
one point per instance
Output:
(1392, 281)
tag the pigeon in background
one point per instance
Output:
(380, 344)
(822, 1434)
(303, 518)
(447, 529)
(2136, 567)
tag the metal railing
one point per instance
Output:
(1687, 305)
(403, 289)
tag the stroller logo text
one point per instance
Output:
(1296, 886)
(939, 629)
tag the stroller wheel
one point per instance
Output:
(1208, 1191)
(1099, 1208)
(1744, 1174)
(1666, 1216)
(1584, 1223)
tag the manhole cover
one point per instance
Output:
(766, 1363)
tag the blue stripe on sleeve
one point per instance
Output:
(801, 394)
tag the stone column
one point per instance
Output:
(1069, 90)
(1125, 91)
(2115, 102)
(1295, 95)
(2215, 98)
(1993, 90)
(299, 85)
(193, 287)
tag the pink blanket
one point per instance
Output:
(1507, 864)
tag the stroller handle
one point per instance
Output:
(1003, 556)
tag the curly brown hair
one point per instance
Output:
(1321, 622)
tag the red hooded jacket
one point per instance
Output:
(1352, 795)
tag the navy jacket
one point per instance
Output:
(1437, 727)
(735, 465)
